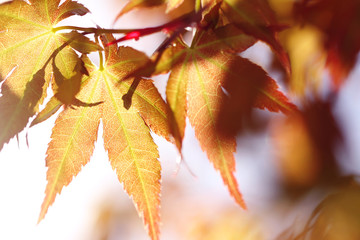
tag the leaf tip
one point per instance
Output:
(42, 214)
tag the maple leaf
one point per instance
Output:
(65, 89)
(247, 86)
(27, 47)
(51, 107)
(195, 90)
(256, 18)
(131, 150)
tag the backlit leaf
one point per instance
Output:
(126, 120)
(67, 87)
(247, 86)
(50, 109)
(194, 90)
(27, 48)
(72, 144)
(81, 43)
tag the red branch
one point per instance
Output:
(176, 24)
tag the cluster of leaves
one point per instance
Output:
(209, 83)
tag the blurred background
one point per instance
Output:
(195, 203)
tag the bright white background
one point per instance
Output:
(95, 196)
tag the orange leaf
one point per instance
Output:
(204, 95)
(130, 107)
(176, 95)
(72, 144)
(195, 89)
(197, 95)
(247, 86)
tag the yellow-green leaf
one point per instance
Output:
(50, 109)
(27, 47)
(81, 43)
(66, 86)
(71, 146)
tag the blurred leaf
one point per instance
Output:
(306, 144)
(228, 225)
(257, 19)
(339, 22)
(337, 217)
(307, 58)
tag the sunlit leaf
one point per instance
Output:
(67, 87)
(27, 47)
(126, 120)
(50, 109)
(81, 43)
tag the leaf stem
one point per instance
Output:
(101, 57)
(175, 25)
(197, 5)
(196, 38)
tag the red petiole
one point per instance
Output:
(173, 26)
